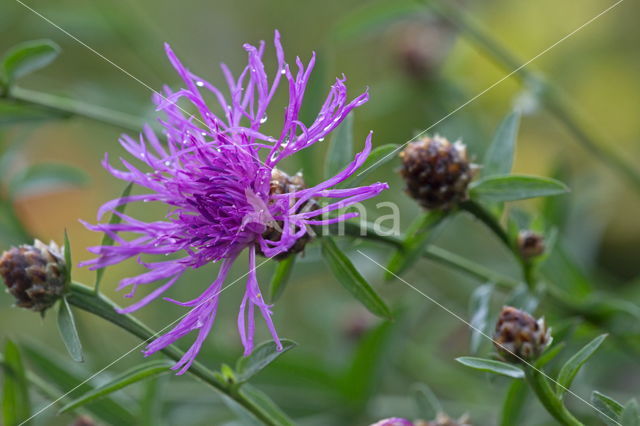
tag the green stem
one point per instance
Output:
(548, 398)
(84, 298)
(67, 106)
(552, 98)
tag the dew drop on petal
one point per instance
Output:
(199, 83)
(321, 140)
(263, 120)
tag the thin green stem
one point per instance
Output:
(549, 399)
(65, 107)
(84, 298)
(553, 99)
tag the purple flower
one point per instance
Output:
(394, 421)
(215, 173)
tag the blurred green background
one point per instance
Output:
(350, 368)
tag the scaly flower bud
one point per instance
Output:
(34, 275)
(436, 172)
(530, 244)
(282, 183)
(519, 336)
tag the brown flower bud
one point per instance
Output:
(282, 183)
(436, 172)
(519, 336)
(530, 244)
(34, 275)
(83, 421)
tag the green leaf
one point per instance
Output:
(418, 235)
(41, 178)
(16, 407)
(515, 187)
(106, 238)
(575, 363)
(263, 355)
(129, 377)
(374, 16)
(68, 331)
(280, 277)
(13, 113)
(610, 410)
(499, 157)
(340, 151)
(479, 307)
(514, 403)
(548, 355)
(65, 375)
(151, 402)
(378, 157)
(492, 366)
(351, 279)
(265, 404)
(27, 57)
(631, 414)
(67, 260)
(426, 401)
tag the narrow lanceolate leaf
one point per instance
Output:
(378, 157)
(262, 356)
(44, 178)
(515, 187)
(68, 331)
(492, 366)
(609, 409)
(426, 401)
(67, 260)
(549, 354)
(352, 280)
(575, 363)
(265, 404)
(340, 150)
(418, 235)
(114, 220)
(479, 308)
(514, 403)
(280, 277)
(15, 393)
(134, 375)
(26, 58)
(631, 414)
(499, 157)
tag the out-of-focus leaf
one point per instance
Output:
(16, 407)
(13, 113)
(67, 376)
(151, 401)
(27, 57)
(263, 355)
(340, 150)
(114, 220)
(374, 16)
(479, 308)
(426, 401)
(40, 178)
(548, 355)
(566, 274)
(352, 280)
(523, 299)
(515, 187)
(610, 410)
(514, 403)
(575, 363)
(266, 405)
(492, 366)
(129, 377)
(280, 277)
(499, 157)
(631, 414)
(68, 331)
(417, 237)
(378, 157)
(314, 97)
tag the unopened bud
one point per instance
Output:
(34, 275)
(519, 336)
(436, 172)
(530, 244)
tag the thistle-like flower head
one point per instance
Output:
(215, 172)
